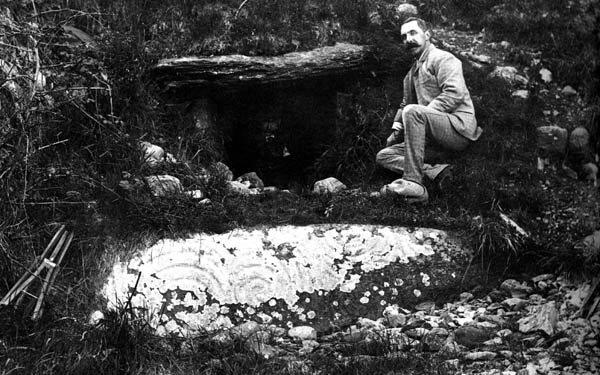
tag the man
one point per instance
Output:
(436, 108)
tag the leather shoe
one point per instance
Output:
(414, 192)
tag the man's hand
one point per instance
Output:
(393, 138)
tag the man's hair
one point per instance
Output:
(422, 24)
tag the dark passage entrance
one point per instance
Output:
(278, 133)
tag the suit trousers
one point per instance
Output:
(422, 125)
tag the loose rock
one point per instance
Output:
(251, 180)
(480, 356)
(303, 333)
(552, 138)
(163, 185)
(515, 288)
(329, 185)
(546, 75)
(568, 91)
(152, 155)
(470, 336)
(540, 318)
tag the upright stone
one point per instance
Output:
(204, 120)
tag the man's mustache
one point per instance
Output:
(412, 45)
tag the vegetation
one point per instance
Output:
(71, 115)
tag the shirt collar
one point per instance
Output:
(419, 61)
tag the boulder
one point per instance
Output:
(222, 170)
(540, 318)
(471, 336)
(405, 10)
(330, 185)
(579, 141)
(590, 172)
(552, 138)
(510, 75)
(163, 185)
(591, 244)
(251, 180)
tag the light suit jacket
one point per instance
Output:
(436, 81)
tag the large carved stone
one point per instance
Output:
(313, 275)
(235, 71)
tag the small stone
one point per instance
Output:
(480, 356)
(484, 59)
(163, 185)
(507, 73)
(222, 170)
(544, 277)
(370, 324)
(303, 333)
(417, 333)
(251, 180)
(470, 336)
(195, 194)
(425, 306)
(579, 141)
(590, 172)
(521, 94)
(152, 155)
(245, 329)
(96, 317)
(493, 342)
(591, 244)
(238, 188)
(354, 335)
(330, 185)
(393, 317)
(515, 303)
(496, 295)
(546, 75)
(552, 138)
(568, 91)
(515, 288)
(466, 297)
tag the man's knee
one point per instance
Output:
(382, 157)
(412, 112)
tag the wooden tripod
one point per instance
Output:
(51, 264)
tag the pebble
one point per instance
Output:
(480, 356)
(303, 333)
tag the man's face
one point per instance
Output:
(414, 38)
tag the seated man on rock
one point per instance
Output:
(436, 109)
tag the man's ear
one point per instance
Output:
(427, 35)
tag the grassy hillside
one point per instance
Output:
(72, 112)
